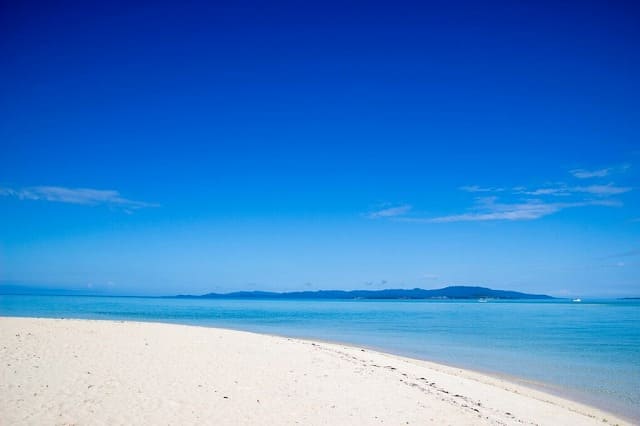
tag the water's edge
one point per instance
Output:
(588, 354)
(537, 386)
(520, 381)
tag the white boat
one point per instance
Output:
(578, 300)
(483, 300)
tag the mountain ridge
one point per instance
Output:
(450, 292)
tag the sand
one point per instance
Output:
(61, 371)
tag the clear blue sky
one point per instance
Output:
(186, 147)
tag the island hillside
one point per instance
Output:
(452, 292)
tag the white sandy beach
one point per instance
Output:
(60, 371)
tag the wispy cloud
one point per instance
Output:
(522, 203)
(586, 174)
(390, 212)
(549, 190)
(602, 190)
(487, 209)
(84, 196)
(564, 190)
(476, 188)
(598, 173)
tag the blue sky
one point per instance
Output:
(190, 147)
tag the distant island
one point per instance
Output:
(452, 292)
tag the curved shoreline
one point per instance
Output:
(539, 386)
(576, 396)
(297, 379)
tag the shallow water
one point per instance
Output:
(589, 351)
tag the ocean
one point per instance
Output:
(587, 351)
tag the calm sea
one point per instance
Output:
(589, 351)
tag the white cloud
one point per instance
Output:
(487, 209)
(524, 203)
(84, 196)
(602, 190)
(586, 174)
(563, 190)
(557, 191)
(390, 212)
(476, 188)
(597, 173)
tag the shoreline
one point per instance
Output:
(551, 389)
(576, 396)
(459, 396)
(539, 386)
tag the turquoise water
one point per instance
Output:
(589, 351)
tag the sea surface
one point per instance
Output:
(588, 351)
